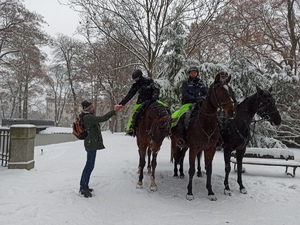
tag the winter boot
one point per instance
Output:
(86, 193)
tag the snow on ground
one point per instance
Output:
(48, 194)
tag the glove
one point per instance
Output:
(154, 98)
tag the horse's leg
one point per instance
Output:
(208, 156)
(227, 155)
(192, 157)
(153, 186)
(180, 163)
(181, 168)
(139, 167)
(175, 175)
(149, 158)
(239, 162)
(179, 160)
(174, 155)
(142, 153)
(182, 152)
(199, 172)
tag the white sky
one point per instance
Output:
(48, 194)
(60, 18)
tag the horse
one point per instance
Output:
(236, 133)
(154, 124)
(202, 133)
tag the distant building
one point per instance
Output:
(67, 116)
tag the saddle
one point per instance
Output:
(191, 113)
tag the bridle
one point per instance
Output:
(218, 102)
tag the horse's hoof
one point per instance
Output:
(190, 197)
(149, 171)
(139, 185)
(243, 191)
(175, 176)
(227, 192)
(212, 197)
(153, 188)
(182, 176)
(199, 174)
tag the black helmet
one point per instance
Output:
(193, 68)
(137, 73)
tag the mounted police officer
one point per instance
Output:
(146, 90)
(193, 90)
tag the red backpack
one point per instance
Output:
(78, 128)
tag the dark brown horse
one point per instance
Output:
(236, 134)
(153, 126)
(203, 132)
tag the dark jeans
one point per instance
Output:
(89, 166)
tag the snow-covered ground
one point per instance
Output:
(48, 194)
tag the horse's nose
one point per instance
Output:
(276, 121)
(231, 114)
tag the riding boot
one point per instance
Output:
(130, 132)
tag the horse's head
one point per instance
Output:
(222, 97)
(267, 108)
(223, 77)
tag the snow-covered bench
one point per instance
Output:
(269, 157)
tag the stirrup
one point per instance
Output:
(130, 132)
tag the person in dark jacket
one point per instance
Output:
(146, 90)
(193, 90)
(92, 142)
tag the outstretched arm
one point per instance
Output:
(129, 95)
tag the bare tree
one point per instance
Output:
(141, 23)
(106, 67)
(67, 53)
(20, 57)
(58, 90)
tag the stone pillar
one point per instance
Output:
(21, 150)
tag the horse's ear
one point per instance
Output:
(270, 89)
(229, 78)
(258, 89)
(217, 78)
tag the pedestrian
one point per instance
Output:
(193, 90)
(92, 142)
(147, 91)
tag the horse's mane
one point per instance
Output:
(245, 101)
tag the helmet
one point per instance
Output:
(137, 73)
(193, 68)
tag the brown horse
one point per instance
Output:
(153, 126)
(203, 132)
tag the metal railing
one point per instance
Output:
(4, 145)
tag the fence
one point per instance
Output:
(4, 145)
